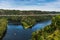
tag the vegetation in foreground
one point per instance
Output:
(50, 32)
(3, 27)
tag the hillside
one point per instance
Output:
(50, 32)
(24, 12)
(3, 27)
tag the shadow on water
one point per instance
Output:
(17, 32)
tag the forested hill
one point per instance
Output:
(19, 12)
(50, 32)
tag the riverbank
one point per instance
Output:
(28, 21)
(50, 32)
(17, 32)
(3, 27)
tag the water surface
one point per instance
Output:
(17, 32)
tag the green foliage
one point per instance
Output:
(28, 22)
(3, 26)
(50, 32)
(18, 12)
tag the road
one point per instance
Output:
(32, 15)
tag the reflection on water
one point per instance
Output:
(16, 32)
(41, 25)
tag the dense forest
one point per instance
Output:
(50, 32)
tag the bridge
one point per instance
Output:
(33, 15)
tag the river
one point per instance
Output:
(17, 32)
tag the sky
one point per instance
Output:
(44, 5)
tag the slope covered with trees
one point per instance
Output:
(3, 27)
(50, 32)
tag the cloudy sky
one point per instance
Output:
(44, 5)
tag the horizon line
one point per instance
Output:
(28, 9)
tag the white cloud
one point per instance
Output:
(51, 6)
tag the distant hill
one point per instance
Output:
(19, 12)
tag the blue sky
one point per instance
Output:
(44, 5)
